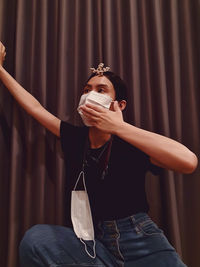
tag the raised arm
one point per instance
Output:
(163, 151)
(26, 100)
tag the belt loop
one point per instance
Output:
(132, 218)
(134, 224)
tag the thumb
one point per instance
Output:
(116, 106)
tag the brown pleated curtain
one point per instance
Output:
(51, 44)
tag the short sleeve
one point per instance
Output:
(67, 131)
(71, 136)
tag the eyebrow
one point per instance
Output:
(98, 85)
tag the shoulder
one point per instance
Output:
(70, 134)
(70, 129)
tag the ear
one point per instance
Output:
(122, 104)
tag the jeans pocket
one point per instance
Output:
(149, 228)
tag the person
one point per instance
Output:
(107, 159)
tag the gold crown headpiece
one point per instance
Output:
(100, 70)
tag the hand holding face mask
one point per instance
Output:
(95, 99)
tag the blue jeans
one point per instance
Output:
(135, 241)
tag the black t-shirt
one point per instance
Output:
(121, 191)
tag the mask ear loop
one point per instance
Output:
(83, 166)
(81, 173)
(94, 250)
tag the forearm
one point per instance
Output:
(165, 151)
(23, 97)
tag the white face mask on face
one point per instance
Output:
(94, 98)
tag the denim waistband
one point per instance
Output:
(133, 219)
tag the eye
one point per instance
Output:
(101, 90)
(86, 90)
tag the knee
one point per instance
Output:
(31, 243)
(31, 239)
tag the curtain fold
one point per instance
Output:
(51, 45)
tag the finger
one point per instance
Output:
(89, 111)
(116, 106)
(90, 116)
(95, 107)
(92, 120)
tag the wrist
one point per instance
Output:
(119, 128)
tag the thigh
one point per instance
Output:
(146, 245)
(159, 259)
(51, 245)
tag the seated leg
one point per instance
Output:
(52, 245)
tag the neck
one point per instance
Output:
(97, 137)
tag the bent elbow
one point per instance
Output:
(191, 164)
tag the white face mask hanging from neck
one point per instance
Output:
(81, 215)
(94, 98)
